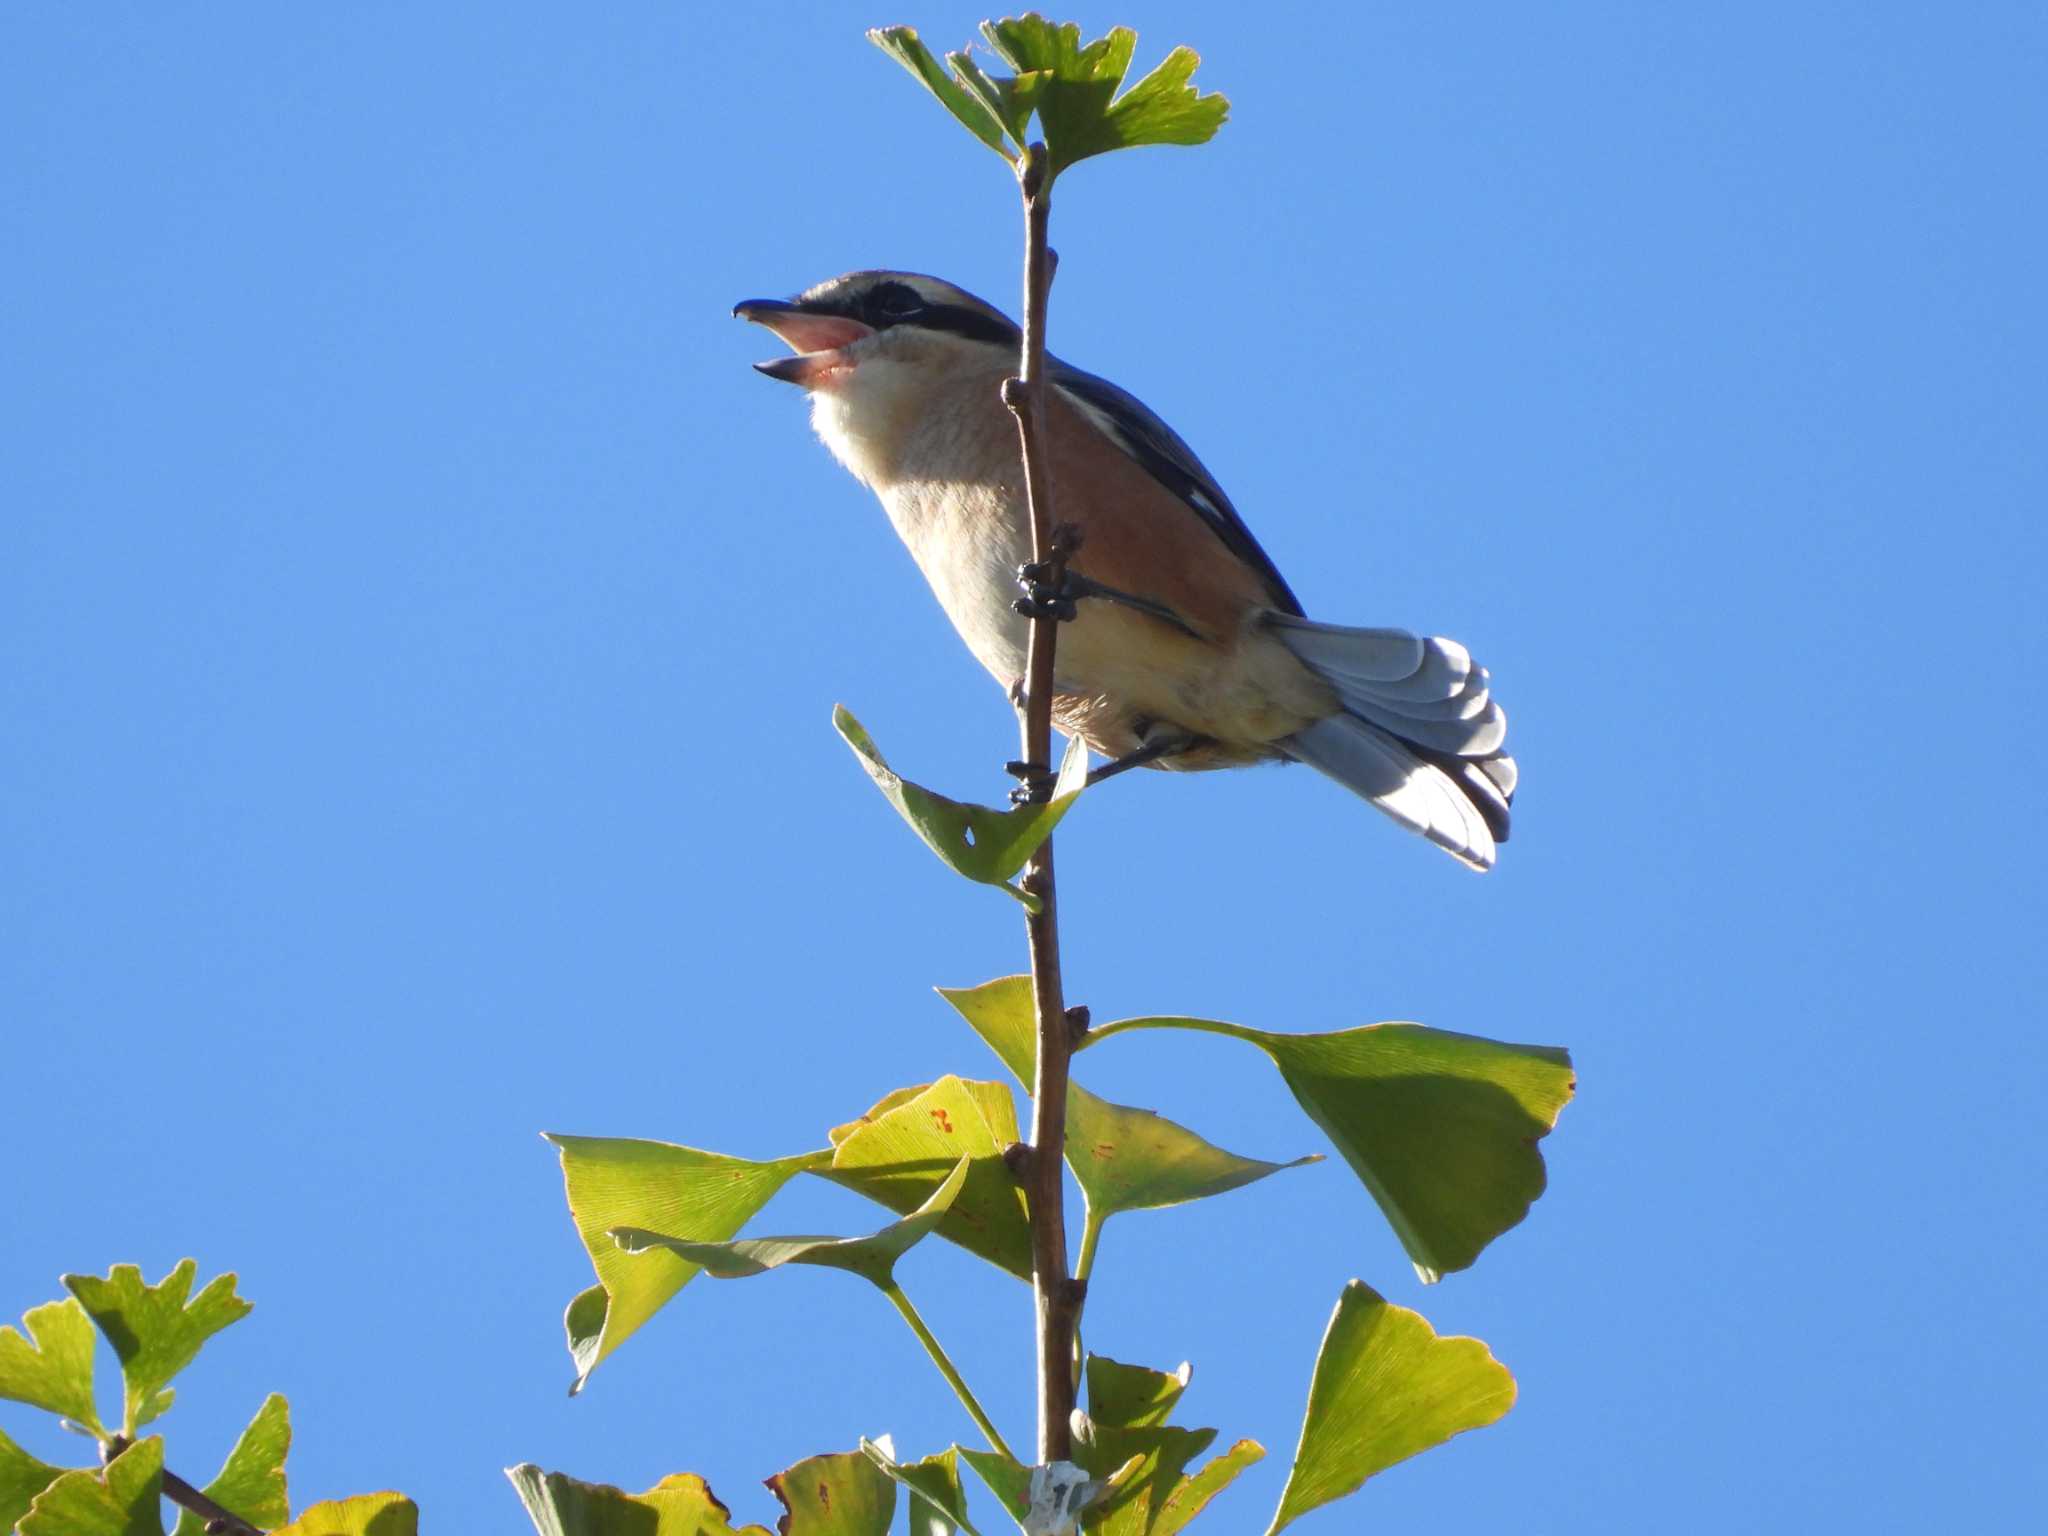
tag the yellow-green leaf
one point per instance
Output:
(681, 1504)
(55, 1371)
(897, 1155)
(251, 1482)
(1441, 1127)
(984, 844)
(842, 1495)
(367, 1514)
(872, 1257)
(155, 1329)
(938, 1504)
(1126, 1427)
(22, 1477)
(125, 1499)
(1385, 1388)
(614, 1182)
(1124, 1159)
(1007, 1478)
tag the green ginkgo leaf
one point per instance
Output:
(1078, 106)
(842, 1495)
(251, 1481)
(938, 1504)
(1385, 1388)
(1124, 1159)
(679, 1505)
(22, 1477)
(367, 1514)
(900, 1150)
(1128, 1407)
(126, 1499)
(904, 46)
(1006, 1477)
(616, 1182)
(53, 1372)
(1441, 1128)
(872, 1257)
(156, 1330)
(984, 844)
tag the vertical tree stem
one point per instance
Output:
(1054, 1293)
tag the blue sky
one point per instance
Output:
(419, 628)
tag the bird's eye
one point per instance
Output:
(895, 301)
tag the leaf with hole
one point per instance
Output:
(1385, 1388)
(986, 845)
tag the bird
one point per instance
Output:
(1183, 648)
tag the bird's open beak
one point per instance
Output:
(815, 338)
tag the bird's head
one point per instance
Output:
(904, 318)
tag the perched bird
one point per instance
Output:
(1186, 649)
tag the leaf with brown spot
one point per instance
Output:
(838, 1495)
(681, 1504)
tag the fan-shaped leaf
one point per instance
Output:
(55, 1371)
(367, 1514)
(623, 1183)
(22, 1477)
(1124, 1159)
(679, 1505)
(843, 1495)
(1441, 1127)
(985, 845)
(125, 1500)
(903, 1147)
(1385, 1388)
(251, 1481)
(154, 1329)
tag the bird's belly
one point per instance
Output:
(969, 539)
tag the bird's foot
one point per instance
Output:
(1050, 589)
(1035, 784)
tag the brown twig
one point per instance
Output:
(219, 1520)
(1054, 1294)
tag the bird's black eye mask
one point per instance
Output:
(891, 303)
(888, 304)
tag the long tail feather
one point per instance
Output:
(1420, 735)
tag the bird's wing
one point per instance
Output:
(1128, 423)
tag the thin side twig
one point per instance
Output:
(1055, 1296)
